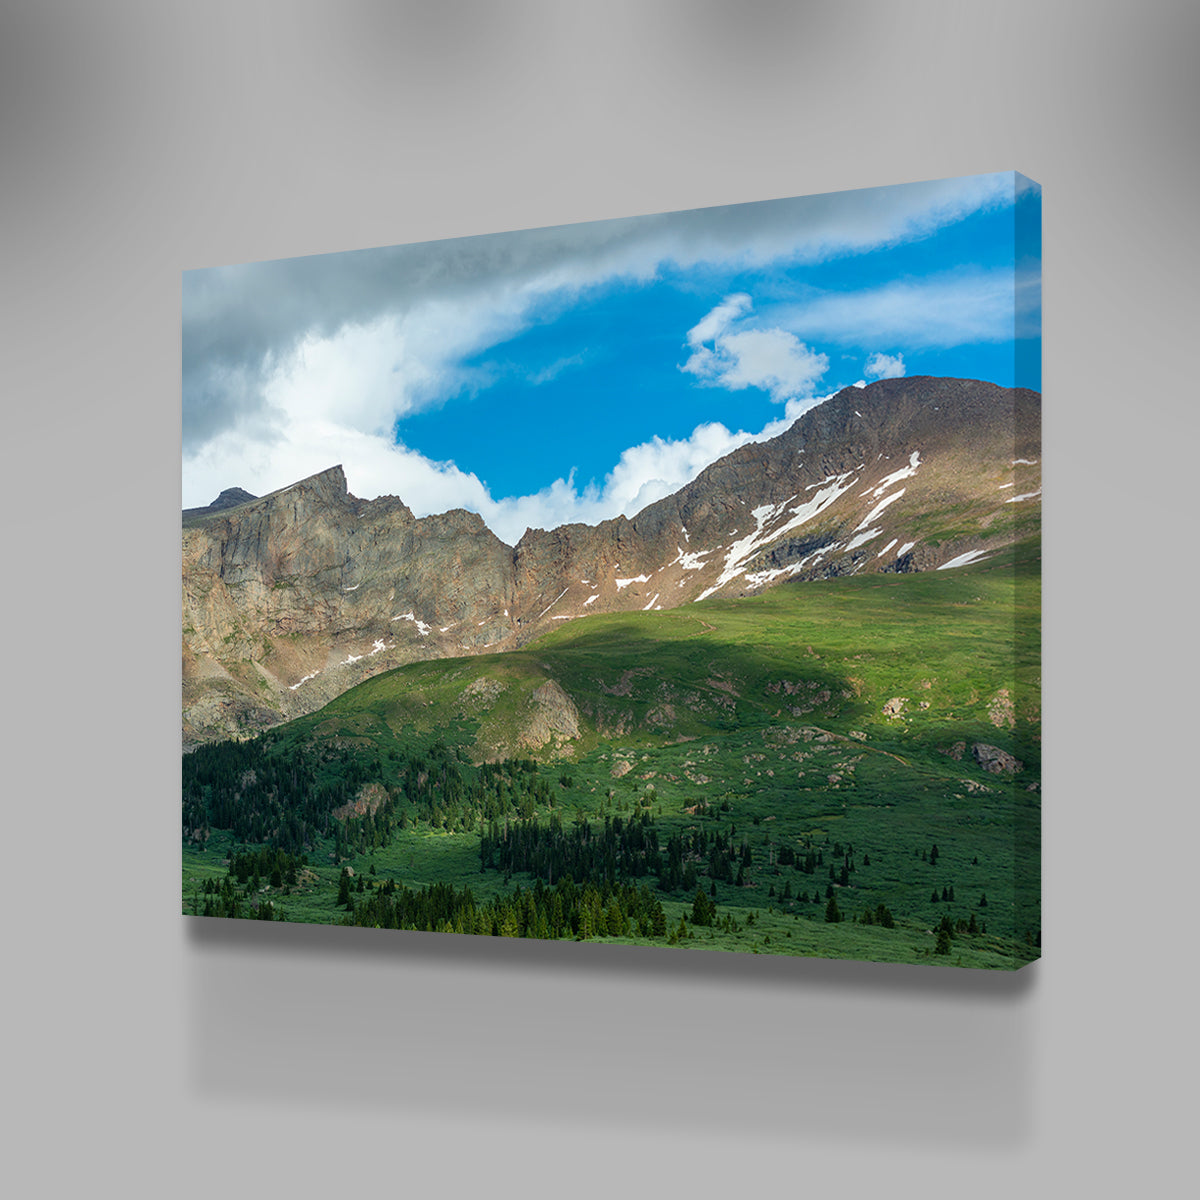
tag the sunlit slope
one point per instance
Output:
(888, 726)
(916, 663)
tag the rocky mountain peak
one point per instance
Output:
(330, 483)
(232, 497)
(294, 597)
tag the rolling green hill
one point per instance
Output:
(871, 741)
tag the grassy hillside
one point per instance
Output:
(815, 742)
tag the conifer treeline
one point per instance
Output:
(615, 851)
(623, 850)
(566, 910)
(224, 898)
(285, 797)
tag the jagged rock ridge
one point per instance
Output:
(291, 598)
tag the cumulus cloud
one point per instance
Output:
(242, 324)
(657, 468)
(884, 366)
(643, 475)
(292, 366)
(376, 466)
(726, 352)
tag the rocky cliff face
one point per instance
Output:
(290, 599)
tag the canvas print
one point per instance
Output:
(669, 580)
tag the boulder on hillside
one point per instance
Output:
(995, 760)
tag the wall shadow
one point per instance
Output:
(607, 1037)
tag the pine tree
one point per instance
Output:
(832, 912)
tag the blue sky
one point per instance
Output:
(576, 372)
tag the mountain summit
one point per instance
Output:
(291, 598)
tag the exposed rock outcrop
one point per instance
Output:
(553, 715)
(995, 760)
(291, 598)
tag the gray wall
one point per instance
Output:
(168, 1058)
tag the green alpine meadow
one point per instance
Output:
(846, 769)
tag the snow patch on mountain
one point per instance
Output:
(745, 548)
(759, 578)
(963, 559)
(862, 539)
(423, 629)
(690, 562)
(878, 509)
(914, 461)
(550, 605)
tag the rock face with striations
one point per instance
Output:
(291, 598)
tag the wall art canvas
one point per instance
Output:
(669, 580)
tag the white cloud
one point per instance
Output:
(293, 366)
(365, 376)
(884, 366)
(643, 474)
(241, 323)
(375, 466)
(553, 370)
(726, 355)
(952, 309)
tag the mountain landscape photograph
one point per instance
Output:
(667, 580)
